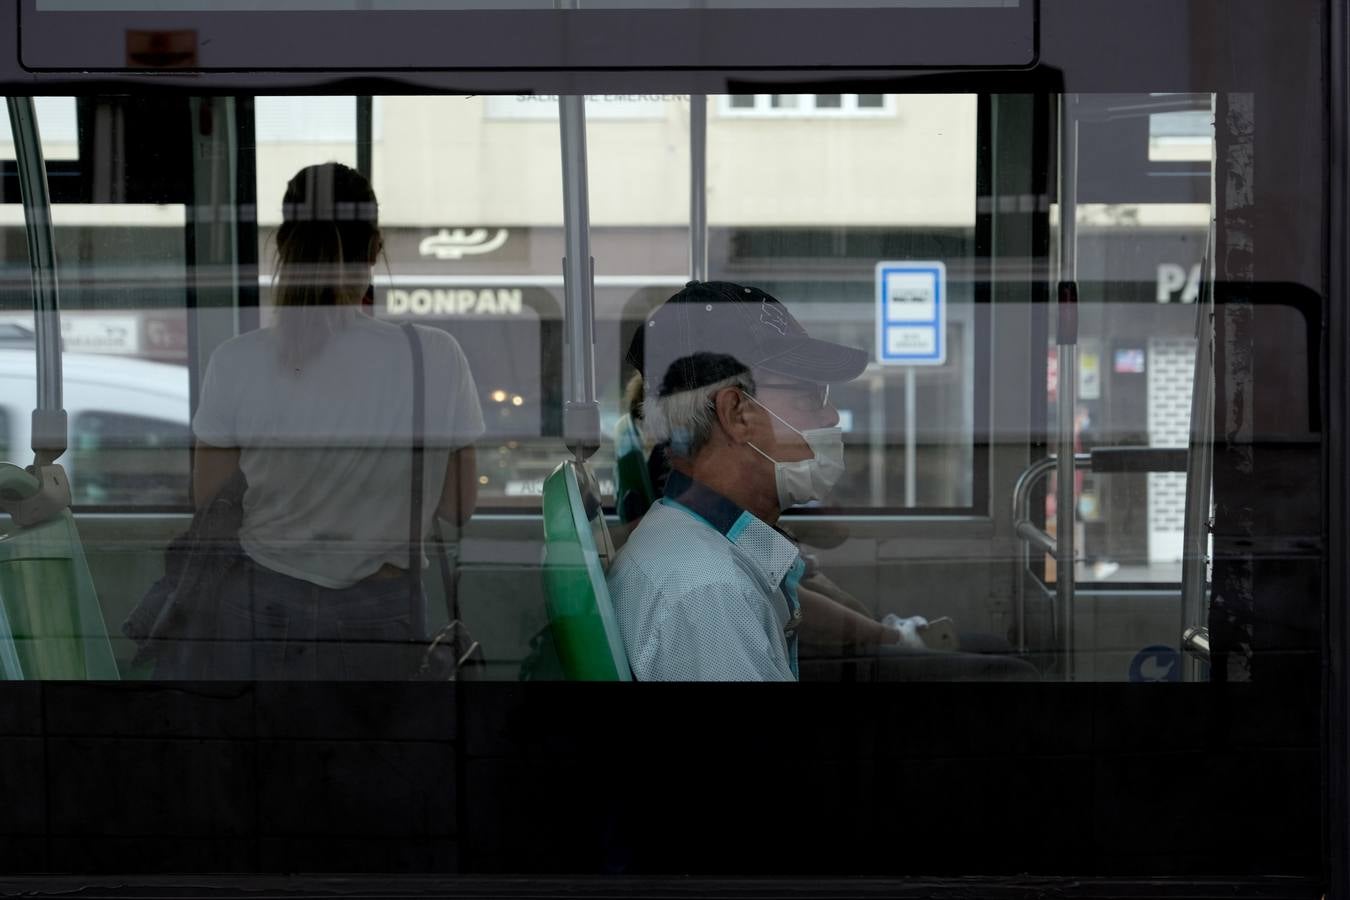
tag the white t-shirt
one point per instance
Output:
(327, 450)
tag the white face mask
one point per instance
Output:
(804, 480)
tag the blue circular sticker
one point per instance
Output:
(1156, 663)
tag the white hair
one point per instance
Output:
(685, 419)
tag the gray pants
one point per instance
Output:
(272, 627)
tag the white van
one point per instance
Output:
(129, 432)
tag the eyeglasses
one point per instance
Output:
(813, 396)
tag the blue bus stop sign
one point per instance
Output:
(911, 301)
(1156, 663)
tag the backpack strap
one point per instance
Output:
(415, 506)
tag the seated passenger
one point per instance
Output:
(706, 588)
(834, 623)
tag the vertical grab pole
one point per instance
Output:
(365, 128)
(581, 413)
(698, 187)
(1066, 337)
(49, 418)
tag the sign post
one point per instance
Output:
(911, 300)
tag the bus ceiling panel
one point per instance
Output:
(224, 35)
(1097, 45)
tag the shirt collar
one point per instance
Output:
(772, 553)
(720, 512)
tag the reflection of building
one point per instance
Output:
(490, 162)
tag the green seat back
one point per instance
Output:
(577, 550)
(633, 483)
(51, 626)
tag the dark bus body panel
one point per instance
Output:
(949, 780)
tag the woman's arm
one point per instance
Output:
(211, 468)
(459, 496)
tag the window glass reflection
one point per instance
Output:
(858, 214)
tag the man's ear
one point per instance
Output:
(734, 414)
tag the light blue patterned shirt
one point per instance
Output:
(705, 591)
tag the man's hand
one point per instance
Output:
(907, 630)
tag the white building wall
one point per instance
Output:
(494, 161)
(457, 161)
(1171, 376)
(914, 166)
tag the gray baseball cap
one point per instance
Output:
(712, 330)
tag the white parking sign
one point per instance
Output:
(911, 300)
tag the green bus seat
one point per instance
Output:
(633, 483)
(577, 551)
(51, 626)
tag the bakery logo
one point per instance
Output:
(459, 243)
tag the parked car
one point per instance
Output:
(129, 433)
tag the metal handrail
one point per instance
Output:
(1102, 459)
(698, 187)
(1030, 533)
(1105, 459)
(1195, 640)
(581, 412)
(49, 417)
(1066, 341)
(1028, 479)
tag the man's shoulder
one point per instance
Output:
(676, 552)
(688, 609)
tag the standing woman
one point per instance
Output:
(316, 411)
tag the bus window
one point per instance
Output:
(1140, 260)
(817, 199)
(1140, 241)
(808, 195)
(843, 206)
(129, 460)
(122, 267)
(57, 121)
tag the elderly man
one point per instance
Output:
(706, 589)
